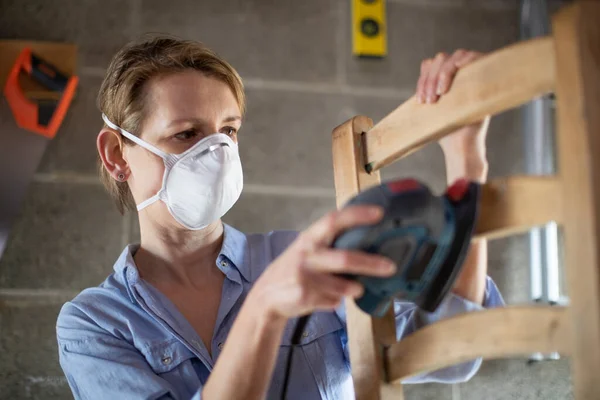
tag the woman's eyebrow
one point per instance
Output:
(199, 121)
(233, 118)
(182, 120)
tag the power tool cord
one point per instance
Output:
(296, 336)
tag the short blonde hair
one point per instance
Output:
(121, 95)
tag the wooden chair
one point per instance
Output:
(567, 63)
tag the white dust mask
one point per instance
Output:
(199, 185)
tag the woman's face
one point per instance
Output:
(182, 108)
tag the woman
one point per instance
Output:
(156, 327)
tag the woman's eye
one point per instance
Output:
(186, 135)
(228, 130)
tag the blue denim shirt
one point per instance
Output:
(126, 340)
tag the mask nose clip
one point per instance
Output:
(210, 149)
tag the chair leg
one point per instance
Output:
(576, 31)
(365, 335)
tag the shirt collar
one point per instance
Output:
(126, 258)
(125, 267)
(235, 248)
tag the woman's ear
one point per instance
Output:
(110, 148)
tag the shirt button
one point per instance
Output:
(223, 263)
(305, 334)
(220, 346)
(166, 360)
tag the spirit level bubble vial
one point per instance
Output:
(369, 29)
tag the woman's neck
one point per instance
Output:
(179, 256)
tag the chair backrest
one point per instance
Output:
(568, 64)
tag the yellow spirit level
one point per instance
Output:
(369, 29)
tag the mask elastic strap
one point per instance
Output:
(136, 139)
(165, 156)
(147, 202)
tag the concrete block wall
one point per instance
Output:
(301, 82)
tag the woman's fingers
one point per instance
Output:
(459, 59)
(425, 65)
(329, 302)
(437, 74)
(349, 262)
(332, 285)
(324, 292)
(467, 58)
(431, 81)
(324, 231)
(447, 72)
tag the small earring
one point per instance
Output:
(121, 177)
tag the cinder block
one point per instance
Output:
(494, 5)
(101, 37)
(29, 366)
(34, 387)
(99, 27)
(41, 20)
(278, 41)
(66, 237)
(286, 138)
(264, 213)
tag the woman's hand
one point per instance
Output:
(465, 155)
(464, 149)
(303, 278)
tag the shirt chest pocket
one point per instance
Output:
(318, 367)
(173, 362)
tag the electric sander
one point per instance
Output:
(427, 237)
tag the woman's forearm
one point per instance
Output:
(244, 368)
(470, 284)
(470, 163)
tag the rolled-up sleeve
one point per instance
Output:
(99, 365)
(410, 318)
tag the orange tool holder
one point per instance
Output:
(42, 116)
